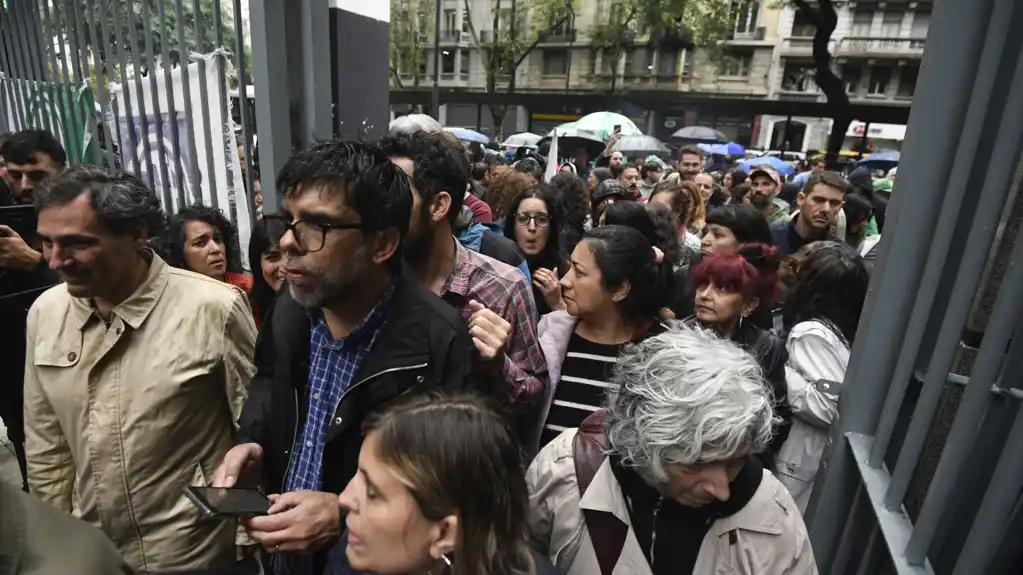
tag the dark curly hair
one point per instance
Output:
(372, 185)
(440, 166)
(828, 283)
(552, 256)
(575, 205)
(224, 233)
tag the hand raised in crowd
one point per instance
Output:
(549, 285)
(297, 522)
(489, 331)
(14, 252)
(241, 462)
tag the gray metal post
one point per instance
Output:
(360, 56)
(273, 115)
(435, 98)
(955, 38)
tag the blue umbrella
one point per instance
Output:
(729, 149)
(883, 160)
(776, 164)
(468, 135)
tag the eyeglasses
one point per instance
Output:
(523, 219)
(310, 236)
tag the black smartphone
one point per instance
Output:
(21, 219)
(228, 501)
(618, 129)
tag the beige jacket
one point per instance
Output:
(770, 536)
(120, 418)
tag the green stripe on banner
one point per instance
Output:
(49, 107)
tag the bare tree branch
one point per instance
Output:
(397, 78)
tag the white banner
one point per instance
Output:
(227, 173)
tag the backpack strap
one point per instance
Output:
(607, 532)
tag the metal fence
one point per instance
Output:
(143, 85)
(925, 471)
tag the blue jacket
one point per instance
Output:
(479, 238)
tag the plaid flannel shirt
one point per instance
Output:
(332, 366)
(503, 290)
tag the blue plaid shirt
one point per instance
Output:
(332, 366)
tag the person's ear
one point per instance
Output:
(750, 306)
(140, 236)
(621, 292)
(440, 206)
(444, 536)
(384, 245)
(800, 199)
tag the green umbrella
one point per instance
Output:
(603, 123)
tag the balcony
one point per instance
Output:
(558, 37)
(864, 47)
(801, 46)
(450, 36)
(754, 35)
(800, 96)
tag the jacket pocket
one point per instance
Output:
(50, 353)
(195, 476)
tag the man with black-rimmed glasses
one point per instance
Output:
(350, 332)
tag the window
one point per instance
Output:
(687, 63)
(504, 19)
(798, 78)
(555, 62)
(422, 64)
(447, 62)
(593, 62)
(630, 61)
(851, 78)
(464, 64)
(891, 24)
(667, 63)
(803, 27)
(736, 64)
(607, 62)
(921, 22)
(465, 22)
(907, 82)
(861, 24)
(744, 14)
(449, 22)
(880, 77)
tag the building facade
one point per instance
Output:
(876, 48)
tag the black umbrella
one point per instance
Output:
(699, 134)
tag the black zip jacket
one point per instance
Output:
(424, 342)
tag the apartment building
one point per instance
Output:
(565, 60)
(876, 50)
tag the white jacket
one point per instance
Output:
(817, 360)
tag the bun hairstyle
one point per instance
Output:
(624, 254)
(753, 273)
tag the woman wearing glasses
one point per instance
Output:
(531, 217)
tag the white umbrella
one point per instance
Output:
(523, 139)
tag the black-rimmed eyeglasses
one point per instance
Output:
(523, 219)
(311, 236)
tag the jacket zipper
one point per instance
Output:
(653, 531)
(294, 437)
(374, 376)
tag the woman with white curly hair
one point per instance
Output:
(662, 480)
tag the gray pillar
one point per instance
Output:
(359, 58)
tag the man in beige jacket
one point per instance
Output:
(135, 374)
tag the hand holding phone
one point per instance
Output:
(216, 502)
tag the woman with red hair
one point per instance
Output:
(728, 289)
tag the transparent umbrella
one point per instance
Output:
(700, 133)
(603, 123)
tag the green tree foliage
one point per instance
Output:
(411, 34)
(103, 28)
(703, 23)
(513, 33)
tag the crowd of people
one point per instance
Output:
(433, 363)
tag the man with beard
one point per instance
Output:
(766, 184)
(492, 297)
(818, 208)
(26, 160)
(690, 162)
(351, 332)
